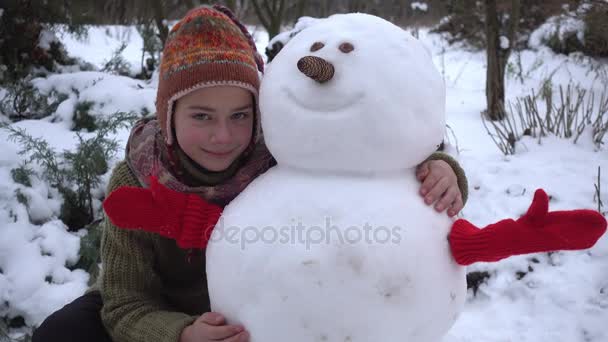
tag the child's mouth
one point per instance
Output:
(218, 154)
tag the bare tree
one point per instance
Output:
(159, 18)
(271, 14)
(498, 49)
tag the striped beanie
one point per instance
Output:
(208, 47)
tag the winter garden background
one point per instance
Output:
(72, 83)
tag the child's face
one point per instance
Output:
(214, 125)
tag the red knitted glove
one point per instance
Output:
(185, 218)
(536, 231)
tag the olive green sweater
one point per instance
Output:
(150, 290)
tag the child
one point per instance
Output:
(205, 143)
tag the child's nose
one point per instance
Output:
(222, 134)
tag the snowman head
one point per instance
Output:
(352, 93)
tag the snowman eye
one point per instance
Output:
(346, 47)
(316, 46)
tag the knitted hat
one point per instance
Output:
(208, 47)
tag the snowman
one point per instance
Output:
(329, 245)
(334, 243)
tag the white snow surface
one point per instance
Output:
(109, 93)
(564, 298)
(34, 258)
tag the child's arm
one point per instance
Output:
(444, 183)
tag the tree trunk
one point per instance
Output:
(300, 8)
(495, 91)
(159, 19)
(270, 13)
(497, 56)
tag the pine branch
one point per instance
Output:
(39, 151)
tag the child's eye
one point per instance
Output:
(201, 116)
(240, 115)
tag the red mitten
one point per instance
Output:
(536, 231)
(186, 218)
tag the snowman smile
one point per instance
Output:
(324, 107)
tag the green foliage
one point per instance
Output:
(21, 198)
(596, 30)
(150, 55)
(466, 20)
(39, 152)
(89, 250)
(82, 117)
(22, 175)
(591, 40)
(23, 101)
(145, 112)
(74, 173)
(21, 27)
(465, 23)
(117, 64)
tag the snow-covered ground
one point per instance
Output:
(564, 298)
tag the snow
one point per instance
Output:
(47, 37)
(290, 119)
(558, 302)
(564, 298)
(109, 93)
(30, 253)
(36, 250)
(504, 42)
(421, 6)
(560, 26)
(102, 41)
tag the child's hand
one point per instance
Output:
(440, 184)
(211, 326)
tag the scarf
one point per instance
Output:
(147, 155)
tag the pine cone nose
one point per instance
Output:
(316, 68)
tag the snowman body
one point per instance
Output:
(337, 259)
(335, 243)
